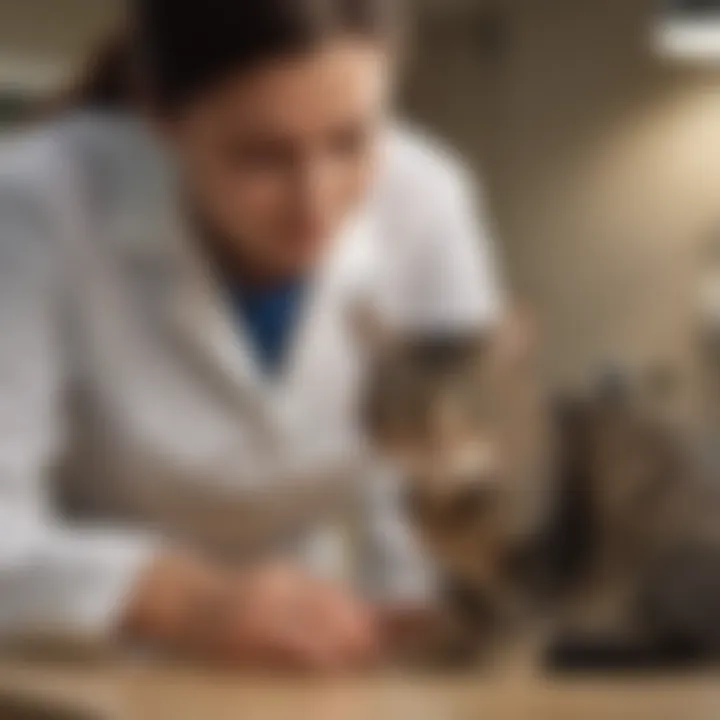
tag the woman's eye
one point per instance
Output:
(259, 156)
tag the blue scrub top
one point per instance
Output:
(269, 316)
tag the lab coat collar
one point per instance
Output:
(198, 314)
(201, 316)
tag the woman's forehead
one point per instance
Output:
(302, 94)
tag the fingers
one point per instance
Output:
(270, 618)
(410, 633)
(283, 620)
(345, 625)
(283, 647)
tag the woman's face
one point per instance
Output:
(275, 160)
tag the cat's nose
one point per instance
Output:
(474, 500)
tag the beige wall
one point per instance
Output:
(48, 38)
(603, 167)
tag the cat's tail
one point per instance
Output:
(676, 621)
(606, 654)
(680, 600)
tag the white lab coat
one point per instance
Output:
(132, 410)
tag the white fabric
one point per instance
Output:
(119, 357)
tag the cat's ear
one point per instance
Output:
(514, 338)
(372, 333)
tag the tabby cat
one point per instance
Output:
(586, 516)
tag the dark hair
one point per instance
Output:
(104, 82)
(186, 46)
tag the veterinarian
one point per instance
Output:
(178, 366)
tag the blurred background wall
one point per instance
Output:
(602, 165)
(42, 40)
(600, 160)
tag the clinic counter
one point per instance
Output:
(133, 692)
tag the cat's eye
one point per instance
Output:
(484, 405)
(415, 504)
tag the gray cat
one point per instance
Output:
(586, 516)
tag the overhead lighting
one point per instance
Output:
(689, 30)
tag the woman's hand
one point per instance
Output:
(408, 630)
(426, 636)
(271, 617)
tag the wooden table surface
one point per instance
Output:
(146, 693)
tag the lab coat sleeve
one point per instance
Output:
(454, 271)
(465, 277)
(54, 579)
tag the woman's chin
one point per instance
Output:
(301, 256)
